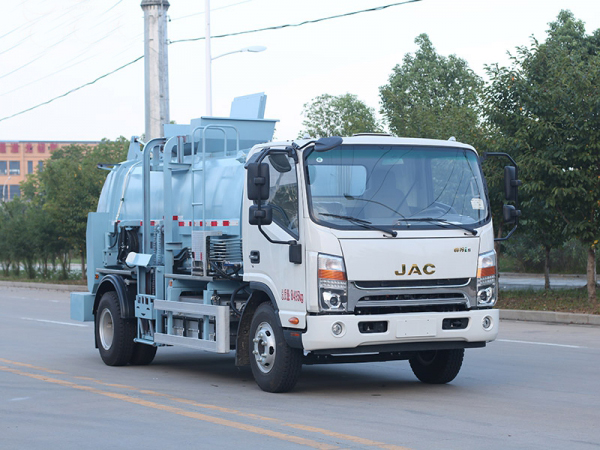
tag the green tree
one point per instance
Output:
(342, 115)
(432, 96)
(69, 187)
(548, 101)
(18, 247)
(6, 257)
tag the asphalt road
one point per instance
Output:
(535, 387)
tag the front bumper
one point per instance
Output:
(400, 328)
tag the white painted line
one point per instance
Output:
(541, 343)
(53, 321)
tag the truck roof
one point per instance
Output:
(381, 139)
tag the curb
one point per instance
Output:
(550, 317)
(47, 286)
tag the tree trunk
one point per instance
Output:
(82, 253)
(547, 268)
(591, 276)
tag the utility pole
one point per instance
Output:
(208, 57)
(156, 69)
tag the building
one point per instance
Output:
(20, 158)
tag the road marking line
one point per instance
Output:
(347, 437)
(55, 322)
(178, 411)
(330, 433)
(541, 343)
(31, 366)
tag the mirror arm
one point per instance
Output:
(505, 238)
(273, 241)
(516, 182)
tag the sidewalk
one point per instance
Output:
(550, 317)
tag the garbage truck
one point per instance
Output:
(312, 251)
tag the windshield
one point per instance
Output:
(400, 186)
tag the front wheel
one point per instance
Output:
(275, 365)
(114, 334)
(437, 366)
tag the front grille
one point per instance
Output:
(411, 296)
(393, 284)
(373, 300)
(386, 309)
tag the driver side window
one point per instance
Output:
(283, 195)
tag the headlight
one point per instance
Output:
(487, 279)
(333, 284)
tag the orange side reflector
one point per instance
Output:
(294, 320)
(486, 272)
(332, 274)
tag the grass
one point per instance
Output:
(53, 278)
(563, 300)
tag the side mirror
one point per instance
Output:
(260, 216)
(280, 162)
(510, 213)
(258, 181)
(511, 184)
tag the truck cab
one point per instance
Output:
(395, 243)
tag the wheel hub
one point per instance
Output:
(106, 329)
(264, 347)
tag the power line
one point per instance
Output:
(211, 10)
(306, 22)
(73, 90)
(65, 66)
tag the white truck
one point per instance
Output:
(363, 248)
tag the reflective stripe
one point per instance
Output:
(209, 223)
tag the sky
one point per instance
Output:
(48, 48)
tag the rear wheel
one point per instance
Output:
(142, 354)
(275, 365)
(114, 334)
(437, 366)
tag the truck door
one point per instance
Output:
(269, 263)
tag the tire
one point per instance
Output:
(438, 366)
(275, 365)
(114, 334)
(142, 355)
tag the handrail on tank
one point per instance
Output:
(215, 127)
(237, 147)
(221, 127)
(148, 148)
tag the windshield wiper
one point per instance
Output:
(361, 222)
(351, 197)
(440, 222)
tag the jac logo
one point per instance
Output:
(428, 269)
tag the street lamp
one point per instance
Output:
(251, 49)
(209, 58)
